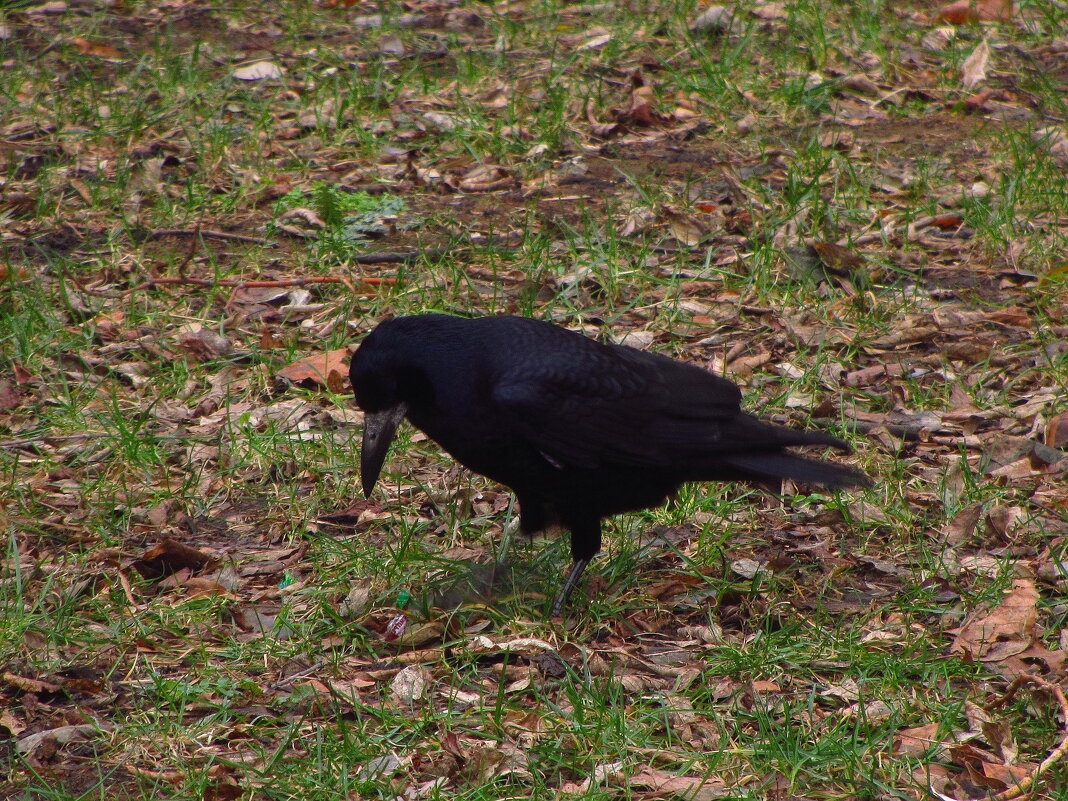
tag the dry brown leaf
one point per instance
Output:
(594, 42)
(961, 528)
(168, 776)
(204, 343)
(29, 685)
(409, 686)
(51, 7)
(486, 178)
(7, 271)
(1003, 521)
(690, 788)
(770, 11)
(963, 11)
(1010, 625)
(170, 557)
(9, 722)
(973, 72)
(44, 744)
(762, 686)
(1007, 775)
(998, 733)
(836, 140)
(715, 19)
(268, 340)
(1055, 141)
(319, 368)
(258, 70)
(197, 587)
(1054, 661)
(905, 335)
(839, 260)
(10, 396)
(390, 44)
(639, 110)
(91, 49)
(602, 130)
(872, 711)
(690, 229)
(918, 741)
(1056, 435)
(421, 635)
(875, 374)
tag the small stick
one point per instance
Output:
(21, 443)
(394, 257)
(157, 233)
(242, 284)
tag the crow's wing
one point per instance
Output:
(590, 406)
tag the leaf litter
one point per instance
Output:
(960, 385)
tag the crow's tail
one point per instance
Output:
(779, 464)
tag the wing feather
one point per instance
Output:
(610, 404)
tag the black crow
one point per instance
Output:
(578, 429)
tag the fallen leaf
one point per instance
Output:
(974, 70)
(90, 49)
(258, 70)
(486, 178)
(690, 788)
(409, 686)
(52, 7)
(715, 19)
(1005, 630)
(1055, 141)
(10, 397)
(963, 11)
(1006, 775)
(169, 557)
(839, 260)
(770, 11)
(961, 528)
(594, 42)
(197, 587)
(390, 44)
(9, 722)
(917, 741)
(690, 229)
(44, 744)
(1057, 431)
(318, 368)
(29, 685)
(204, 343)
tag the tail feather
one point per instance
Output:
(779, 464)
(747, 431)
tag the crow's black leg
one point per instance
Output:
(572, 579)
(585, 543)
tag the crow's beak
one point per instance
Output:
(379, 429)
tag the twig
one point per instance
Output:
(21, 443)
(367, 281)
(157, 233)
(381, 257)
(300, 674)
(395, 257)
(1024, 787)
(47, 49)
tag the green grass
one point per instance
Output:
(772, 647)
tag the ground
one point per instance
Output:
(858, 212)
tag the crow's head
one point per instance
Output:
(376, 373)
